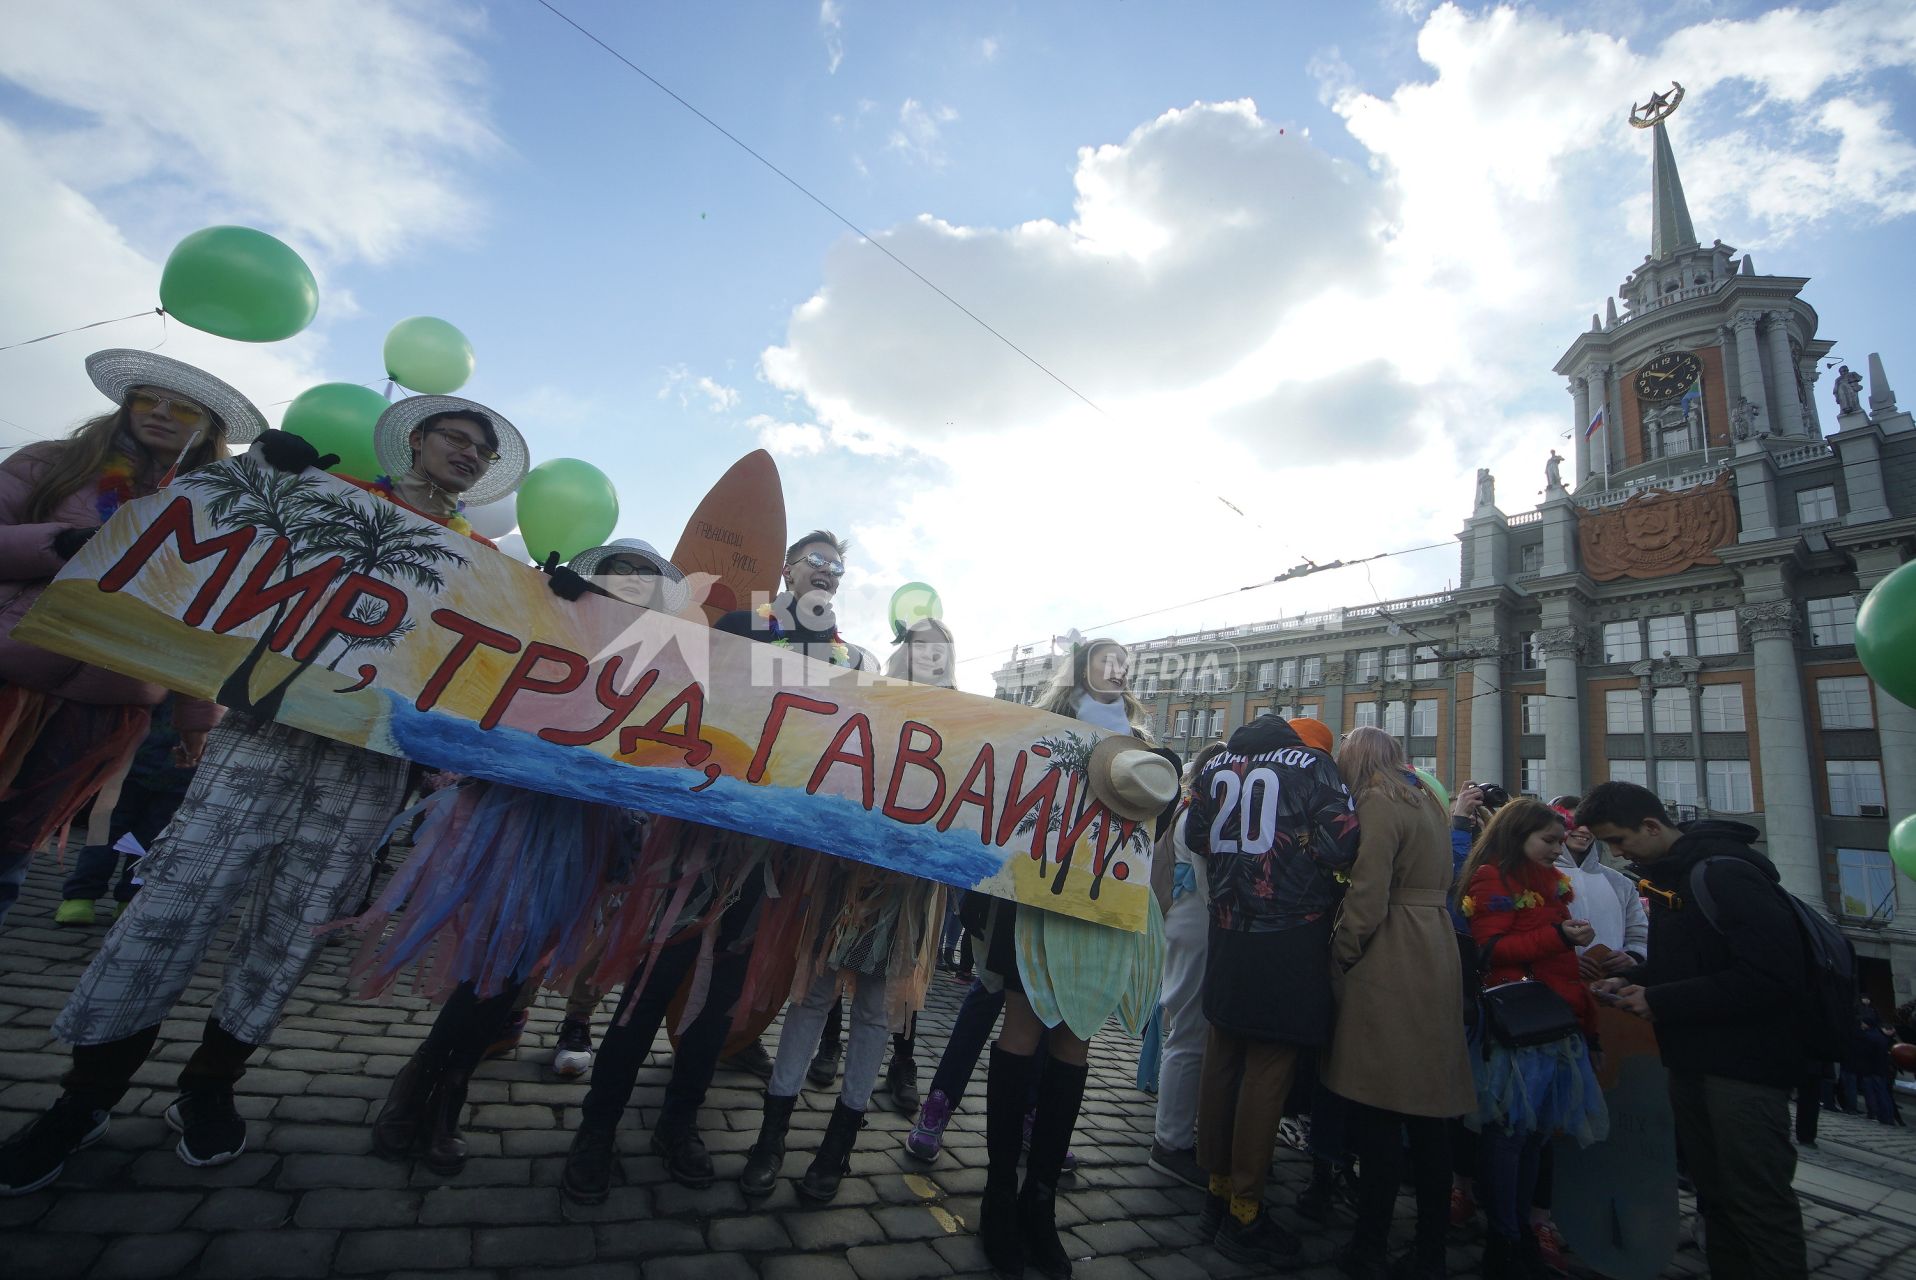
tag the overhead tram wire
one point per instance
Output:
(805, 191)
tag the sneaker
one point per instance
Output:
(587, 1178)
(1211, 1216)
(211, 1131)
(902, 1080)
(824, 1069)
(1550, 1246)
(572, 1057)
(686, 1158)
(34, 1157)
(1259, 1242)
(1295, 1133)
(75, 913)
(752, 1058)
(927, 1137)
(508, 1041)
(1180, 1163)
(1462, 1207)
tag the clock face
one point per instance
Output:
(1667, 376)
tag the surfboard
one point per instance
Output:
(1616, 1201)
(734, 542)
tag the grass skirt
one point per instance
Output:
(1546, 1088)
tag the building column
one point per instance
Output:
(1487, 717)
(1697, 761)
(1749, 372)
(1895, 721)
(1789, 805)
(1562, 723)
(1784, 404)
(1580, 426)
(1610, 447)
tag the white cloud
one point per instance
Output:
(1334, 347)
(831, 23)
(988, 48)
(787, 439)
(919, 135)
(682, 383)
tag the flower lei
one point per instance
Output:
(116, 486)
(457, 522)
(841, 652)
(1501, 902)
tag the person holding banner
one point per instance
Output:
(289, 817)
(871, 929)
(67, 726)
(1025, 956)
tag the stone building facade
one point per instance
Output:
(1678, 611)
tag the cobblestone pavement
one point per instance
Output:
(308, 1198)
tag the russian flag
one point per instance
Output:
(1596, 424)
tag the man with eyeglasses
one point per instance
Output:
(288, 817)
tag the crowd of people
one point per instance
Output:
(1404, 982)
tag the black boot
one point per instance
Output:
(1007, 1081)
(1500, 1257)
(1060, 1095)
(1315, 1201)
(834, 1158)
(445, 1145)
(763, 1160)
(400, 1122)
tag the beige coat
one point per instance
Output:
(1399, 1038)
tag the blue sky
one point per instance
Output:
(1331, 326)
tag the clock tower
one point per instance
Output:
(1707, 359)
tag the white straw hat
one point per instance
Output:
(590, 562)
(118, 370)
(1131, 779)
(391, 435)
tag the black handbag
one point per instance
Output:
(1523, 1013)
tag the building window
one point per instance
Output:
(1669, 635)
(1530, 713)
(1730, 786)
(1183, 726)
(1423, 718)
(1217, 723)
(1532, 655)
(1184, 682)
(1623, 711)
(1721, 709)
(1396, 662)
(1533, 771)
(1856, 788)
(1426, 667)
(1148, 687)
(1832, 621)
(1394, 719)
(1844, 703)
(1716, 632)
(1867, 880)
(1622, 642)
(1814, 505)
(1366, 717)
(1670, 712)
(1287, 674)
(1529, 558)
(1306, 713)
(1676, 782)
(1366, 669)
(1287, 713)
(1629, 771)
(1310, 671)
(1427, 763)
(1266, 674)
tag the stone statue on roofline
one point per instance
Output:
(1486, 489)
(1848, 391)
(1553, 472)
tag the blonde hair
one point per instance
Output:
(78, 460)
(899, 665)
(1074, 677)
(1371, 760)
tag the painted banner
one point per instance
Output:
(305, 600)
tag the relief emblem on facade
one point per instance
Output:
(1658, 533)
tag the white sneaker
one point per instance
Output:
(573, 1056)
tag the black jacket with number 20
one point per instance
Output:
(1277, 831)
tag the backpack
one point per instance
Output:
(1830, 968)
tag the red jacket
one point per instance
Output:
(1522, 913)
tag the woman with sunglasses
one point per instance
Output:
(66, 726)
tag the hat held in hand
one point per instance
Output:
(1130, 779)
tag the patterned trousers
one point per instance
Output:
(288, 820)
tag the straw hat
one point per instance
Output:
(1131, 779)
(590, 563)
(391, 436)
(118, 370)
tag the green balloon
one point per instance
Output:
(427, 355)
(566, 505)
(338, 417)
(239, 283)
(1436, 786)
(1886, 634)
(910, 603)
(1902, 845)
